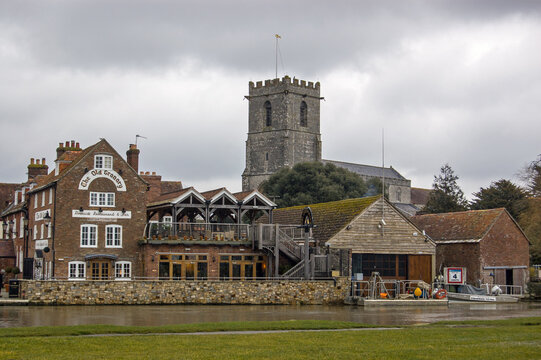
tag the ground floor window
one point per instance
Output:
(183, 267)
(242, 266)
(387, 265)
(76, 270)
(123, 270)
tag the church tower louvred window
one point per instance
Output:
(304, 114)
(268, 113)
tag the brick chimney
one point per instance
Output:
(69, 146)
(36, 168)
(132, 157)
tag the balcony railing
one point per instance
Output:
(198, 231)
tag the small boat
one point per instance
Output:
(482, 298)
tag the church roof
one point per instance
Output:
(366, 170)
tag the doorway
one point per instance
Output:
(99, 269)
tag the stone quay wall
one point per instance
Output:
(269, 292)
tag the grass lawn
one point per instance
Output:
(502, 339)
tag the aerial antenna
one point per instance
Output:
(383, 180)
(139, 136)
(276, 54)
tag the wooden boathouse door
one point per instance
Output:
(420, 268)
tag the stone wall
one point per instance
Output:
(278, 292)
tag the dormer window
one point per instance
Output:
(268, 113)
(103, 162)
(304, 114)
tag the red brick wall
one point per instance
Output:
(151, 256)
(68, 228)
(460, 255)
(505, 245)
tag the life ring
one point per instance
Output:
(441, 294)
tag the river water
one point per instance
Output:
(150, 315)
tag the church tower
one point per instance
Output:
(283, 127)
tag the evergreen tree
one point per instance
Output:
(502, 193)
(312, 182)
(446, 195)
(530, 218)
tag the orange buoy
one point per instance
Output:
(441, 294)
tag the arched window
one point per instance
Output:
(268, 113)
(304, 113)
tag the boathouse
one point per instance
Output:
(488, 243)
(366, 235)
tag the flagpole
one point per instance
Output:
(276, 55)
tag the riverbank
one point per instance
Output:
(515, 338)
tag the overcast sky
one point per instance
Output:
(455, 82)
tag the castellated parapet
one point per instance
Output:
(283, 127)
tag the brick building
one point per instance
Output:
(14, 231)
(200, 235)
(488, 243)
(85, 217)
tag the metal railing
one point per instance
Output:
(513, 290)
(391, 287)
(197, 231)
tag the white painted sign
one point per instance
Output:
(104, 214)
(93, 174)
(41, 214)
(456, 276)
(41, 244)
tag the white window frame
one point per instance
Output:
(111, 239)
(167, 219)
(49, 231)
(102, 199)
(50, 195)
(1, 229)
(35, 201)
(89, 239)
(42, 231)
(79, 272)
(14, 229)
(21, 227)
(35, 231)
(100, 162)
(43, 198)
(123, 268)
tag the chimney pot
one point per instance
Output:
(154, 173)
(37, 161)
(67, 144)
(72, 143)
(31, 161)
(147, 173)
(141, 173)
(60, 145)
(77, 145)
(43, 161)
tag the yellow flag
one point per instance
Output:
(277, 36)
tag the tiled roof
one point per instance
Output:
(406, 209)
(241, 195)
(419, 196)
(366, 170)
(169, 197)
(210, 194)
(11, 209)
(329, 217)
(170, 186)
(463, 225)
